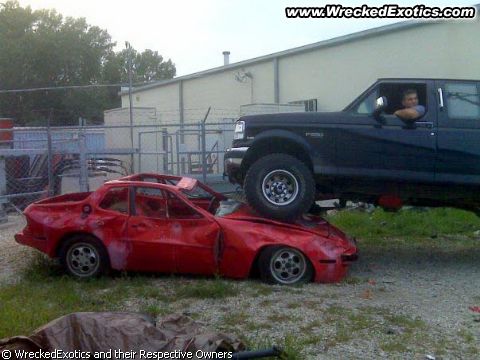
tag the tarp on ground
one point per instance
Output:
(93, 332)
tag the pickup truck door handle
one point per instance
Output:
(427, 124)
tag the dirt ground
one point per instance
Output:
(410, 304)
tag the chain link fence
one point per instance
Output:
(37, 162)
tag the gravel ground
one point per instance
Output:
(12, 255)
(393, 305)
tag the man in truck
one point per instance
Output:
(412, 110)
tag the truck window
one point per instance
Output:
(367, 105)
(394, 94)
(463, 100)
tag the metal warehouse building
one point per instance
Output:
(324, 76)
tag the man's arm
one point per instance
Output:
(407, 114)
(410, 113)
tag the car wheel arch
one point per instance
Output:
(254, 267)
(96, 250)
(70, 235)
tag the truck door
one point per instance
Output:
(391, 148)
(458, 157)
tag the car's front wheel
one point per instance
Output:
(284, 265)
(280, 186)
(84, 256)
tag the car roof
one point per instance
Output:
(183, 183)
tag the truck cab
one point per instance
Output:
(364, 152)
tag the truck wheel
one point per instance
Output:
(279, 186)
(284, 265)
(84, 256)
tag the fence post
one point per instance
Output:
(51, 185)
(204, 153)
(130, 102)
(3, 190)
(83, 157)
(165, 150)
(204, 147)
(139, 151)
(177, 148)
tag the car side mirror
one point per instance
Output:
(380, 105)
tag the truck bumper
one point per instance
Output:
(233, 163)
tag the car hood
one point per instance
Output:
(309, 223)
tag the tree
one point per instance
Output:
(146, 66)
(43, 49)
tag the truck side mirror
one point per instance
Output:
(380, 106)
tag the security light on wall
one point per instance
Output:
(242, 75)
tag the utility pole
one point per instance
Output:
(129, 62)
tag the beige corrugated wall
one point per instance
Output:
(333, 75)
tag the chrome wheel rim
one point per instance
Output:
(83, 259)
(280, 187)
(288, 266)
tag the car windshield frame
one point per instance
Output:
(190, 193)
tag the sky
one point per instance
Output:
(194, 33)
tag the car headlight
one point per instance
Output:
(239, 130)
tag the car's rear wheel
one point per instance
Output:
(84, 256)
(279, 186)
(284, 265)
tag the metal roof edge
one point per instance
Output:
(127, 108)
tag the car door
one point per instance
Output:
(152, 244)
(109, 222)
(388, 147)
(196, 238)
(458, 158)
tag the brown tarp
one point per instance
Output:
(128, 332)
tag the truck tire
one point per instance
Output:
(279, 186)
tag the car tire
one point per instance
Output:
(280, 186)
(84, 256)
(284, 265)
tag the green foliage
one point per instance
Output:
(291, 346)
(208, 289)
(44, 49)
(410, 224)
(44, 294)
(147, 66)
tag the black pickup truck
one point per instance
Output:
(364, 153)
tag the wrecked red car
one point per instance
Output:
(170, 224)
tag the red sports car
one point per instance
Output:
(170, 224)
